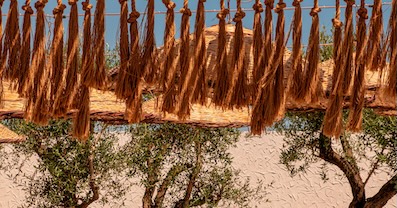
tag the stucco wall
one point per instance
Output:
(258, 159)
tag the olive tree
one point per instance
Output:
(376, 145)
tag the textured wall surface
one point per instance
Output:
(258, 158)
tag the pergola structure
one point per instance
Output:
(219, 76)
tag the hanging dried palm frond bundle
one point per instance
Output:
(37, 103)
(269, 104)
(297, 70)
(223, 76)
(135, 73)
(149, 46)
(184, 62)
(168, 68)
(56, 54)
(333, 124)
(64, 100)
(122, 84)
(309, 88)
(25, 49)
(357, 98)
(257, 48)
(391, 88)
(268, 29)
(193, 88)
(238, 95)
(81, 124)
(374, 50)
(198, 79)
(12, 43)
(348, 50)
(96, 78)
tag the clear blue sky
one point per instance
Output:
(113, 6)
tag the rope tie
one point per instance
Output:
(169, 4)
(240, 14)
(40, 4)
(315, 10)
(134, 15)
(280, 7)
(350, 2)
(269, 3)
(60, 8)
(186, 10)
(258, 7)
(72, 2)
(363, 13)
(296, 3)
(86, 6)
(224, 12)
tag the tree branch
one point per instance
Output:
(171, 175)
(353, 175)
(374, 167)
(385, 193)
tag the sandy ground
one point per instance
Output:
(258, 158)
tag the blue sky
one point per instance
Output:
(113, 6)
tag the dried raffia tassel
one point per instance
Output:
(168, 67)
(81, 124)
(309, 91)
(25, 55)
(268, 29)
(337, 42)
(12, 43)
(270, 102)
(357, 99)
(200, 58)
(149, 46)
(223, 77)
(56, 53)
(64, 100)
(259, 68)
(38, 102)
(96, 77)
(296, 69)
(333, 123)
(391, 88)
(238, 92)
(184, 63)
(374, 50)
(349, 48)
(135, 75)
(122, 84)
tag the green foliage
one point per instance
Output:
(376, 144)
(169, 155)
(326, 51)
(62, 174)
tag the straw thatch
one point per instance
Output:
(8, 136)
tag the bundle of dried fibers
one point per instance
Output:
(238, 95)
(122, 84)
(183, 107)
(337, 42)
(56, 54)
(309, 88)
(333, 123)
(12, 44)
(96, 78)
(198, 79)
(297, 75)
(25, 56)
(64, 101)
(357, 99)
(168, 68)
(259, 67)
(1, 46)
(38, 101)
(223, 77)
(149, 46)
(135, 73)
(374, 49)
(270, 102)
(81, 123)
